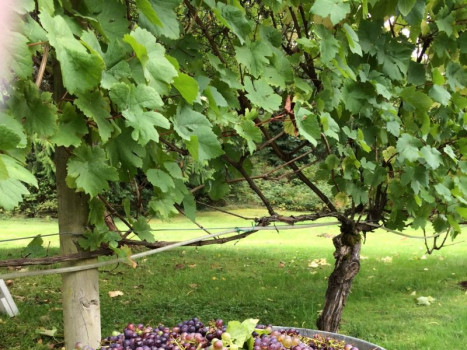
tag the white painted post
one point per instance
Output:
(7, 304)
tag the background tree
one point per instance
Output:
(143, 91)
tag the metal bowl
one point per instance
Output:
(359, 343)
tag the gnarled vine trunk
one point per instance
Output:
(347, 265)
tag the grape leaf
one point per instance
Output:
(328, 45)
(189, 206)
(147, 10)
(408, 148)
(158, 70)
(8, 138)
(431, 156)
(34, 248)
(234, 19)
(307, 124)
(71, 127)
(419, 100)
(187, 86)
(95, 106)
(81, 70)
(17, 171)
(262, 95)
(254, 56)
(143, 230)
(405, 6)
(21, 60)
(11, 193)
(440, 94)
(166, 10)
(248, 130)
(337, 10)
(144, 125)
(196, 129)
(89, 169)
(35, 108)
(124, 151)
(160, 179)
(352, 39)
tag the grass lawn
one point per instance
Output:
(266, 276)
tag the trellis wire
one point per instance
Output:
(155, 251)
(189, 241)
(153, 230)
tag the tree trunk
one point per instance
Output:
(80, 290)
(347, 265)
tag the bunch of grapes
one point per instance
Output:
(195, 335)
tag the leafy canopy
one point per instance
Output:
(165, 93)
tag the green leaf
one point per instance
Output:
(307, 124)
(47, 332)
(443, 191)
(408, 148)
(174, 170)
(34, 109)
(352, 39)
(34, 249)
(144, 125)
(248, 130)
(330, 127)
(445, 24)
(440, 94)
(160, 179)
(20, 61)
(143, 230)
(125, 152)
(187, 121)
(328, 46)
(88, 168)
(405, 6)
(17, 171)
(10, 125)
(166, 10)
(262, 95)
(254, 56)
(417, 99)
(187, 86)
(462, 212)
(234, 18)
(431, 156)
(189, 206)
(149, 12)
(337, 10)
(416, 73)
(71, 127)
(196, 129)
(95, 106)
(81, 69)
(456, 75)
(158, 70)
(9, 138)
(11, 193)
(218, 189)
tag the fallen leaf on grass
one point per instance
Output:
(387, 259)
(281, 264)
(425, 300)
(414, 293)
(317, 263)
(179, 266)
(115, 293)
(47, 332)
(192, 266)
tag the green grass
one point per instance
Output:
(267, 276)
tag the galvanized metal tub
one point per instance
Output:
(359, 343)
